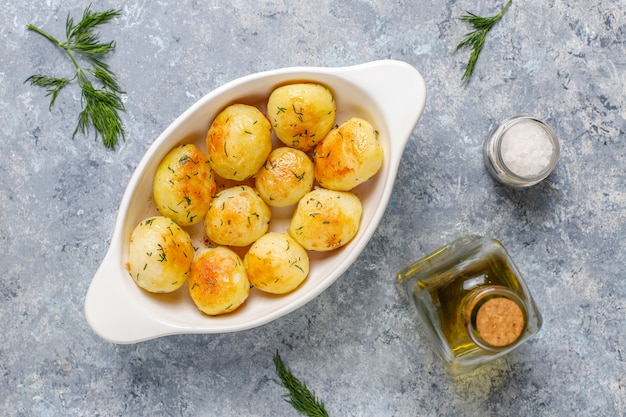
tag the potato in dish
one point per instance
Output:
(348, 156)
(238, 142)
(287, 175)
(276, 263)
(160, 254)
(184, 184)
(218, 282)
(237, 216)
(325, 220)
(301, 114)
(254, 177)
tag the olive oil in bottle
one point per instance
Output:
(472, 302)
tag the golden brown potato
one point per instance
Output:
(301, 114)
(218, 282)
(286, 176)
(183, 185)
(348, 156)
(276, 263)
(325, 219)
(237, 216)
(238, 142)
(160, 254)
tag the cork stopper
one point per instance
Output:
(500, 321)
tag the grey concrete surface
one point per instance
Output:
(357, 345)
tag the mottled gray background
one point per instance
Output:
(357, 345)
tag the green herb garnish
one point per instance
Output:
(299, 396)
(476, 38)
(101, 106)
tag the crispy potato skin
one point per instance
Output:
(218, 282)
(348, 156)
(237, 216)
(287, 175)
(183, 185)
(160, 255)
(325, 220)
(310, 174)
(276, 263)
(238, 142)
(301, 114)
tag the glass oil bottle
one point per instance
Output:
(471, 302)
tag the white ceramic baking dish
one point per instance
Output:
(390, 94)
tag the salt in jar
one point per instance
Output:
(521, 151)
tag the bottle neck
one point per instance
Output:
(495, 318)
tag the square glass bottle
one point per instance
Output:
(472, 302)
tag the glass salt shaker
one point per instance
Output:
(471, 302)
(521, 151)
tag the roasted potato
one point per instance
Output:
(286, 176)
(348, 156)
(301, 114)
(237, 216)
(218, 282)
(183, 185)
(276, 263)
(325, 220)
(238, 142)
(160, 254)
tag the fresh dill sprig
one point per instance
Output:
(101, 104)
(476, 38)
(299, 396)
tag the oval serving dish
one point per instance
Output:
(390, 94)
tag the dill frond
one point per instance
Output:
(101, 105)
(476, 38)
(299, 396)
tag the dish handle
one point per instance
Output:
(399, 90)
(111, 311)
